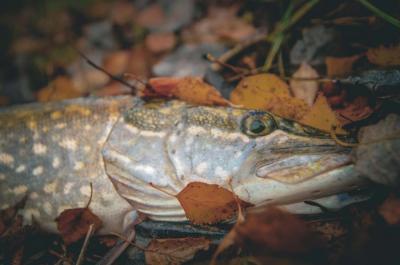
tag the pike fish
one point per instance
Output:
(138, 155)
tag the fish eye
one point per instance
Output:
(258, 124)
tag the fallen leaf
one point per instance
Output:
(305, 90)
(270, 230)
(73, 224)
(60, 88)
(377, 155)
(163, 86)
(356, 110)
(8, 216)
(384, 56)
(122, 12)
(194, 90)
(174, 250)
(287, 107)
(322, 117)
(160, 42)
(268, 92)
(221, 24)
(139, 62)
(340, 66)
(256, 91)
(152, 16)
(116, 62)
(390, 210)
(208, 203)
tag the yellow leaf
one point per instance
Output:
(257, 91)
(322, 117)
(384, 56)
(268, 92)
(207, 203)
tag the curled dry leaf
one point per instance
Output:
(384, 56)
(73, 224)
(322, 117)
(60, 88)
(305, 90)
(208, 203)
(377, 155)
(174, 250)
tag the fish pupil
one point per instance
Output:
(257, 126)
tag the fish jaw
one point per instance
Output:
(286, 168)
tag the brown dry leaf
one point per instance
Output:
(163, 86)
(160, 42)
(305, 90)
(275, 230)
(340, 66)
(196, 91)
(139, 62)
(270, 230)
(322, 117)
(8, 216)
(384, 56)
(60, 88)
(208, 203)
(357, 110)
(73, 224)
(174, 250)
(256, 91)
(390, 210)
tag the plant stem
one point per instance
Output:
(385, 16)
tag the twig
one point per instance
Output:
(237, 49)
(85, 244)
(90, 62)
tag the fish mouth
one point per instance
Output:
(295, 159)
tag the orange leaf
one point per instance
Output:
(174, 250)
(60, 88)
(384, 56)
(164, 86)
(257, 91)
(322, 117)
(73, 224)
(340, 66)
(208, 203)
(194, 90)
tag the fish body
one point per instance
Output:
(138, 156)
